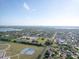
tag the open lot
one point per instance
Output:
(3, 46)
(16, 48)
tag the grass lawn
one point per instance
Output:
(3, 46)
(17, 48)
(41, 40)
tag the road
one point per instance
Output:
(53, 38)
(47, 47)
(43, 53)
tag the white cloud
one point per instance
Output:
(26, 6)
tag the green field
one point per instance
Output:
(16, 49)
(41, 40)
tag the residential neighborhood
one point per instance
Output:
(55, 44)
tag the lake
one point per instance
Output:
(9, 29)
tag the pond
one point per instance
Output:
(28, 51)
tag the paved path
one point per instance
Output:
(8, 49)
(17, 55)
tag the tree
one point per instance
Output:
(78, 57)
(42, 38)
(69, 57)
(48, 42)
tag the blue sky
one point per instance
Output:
(39, 12)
